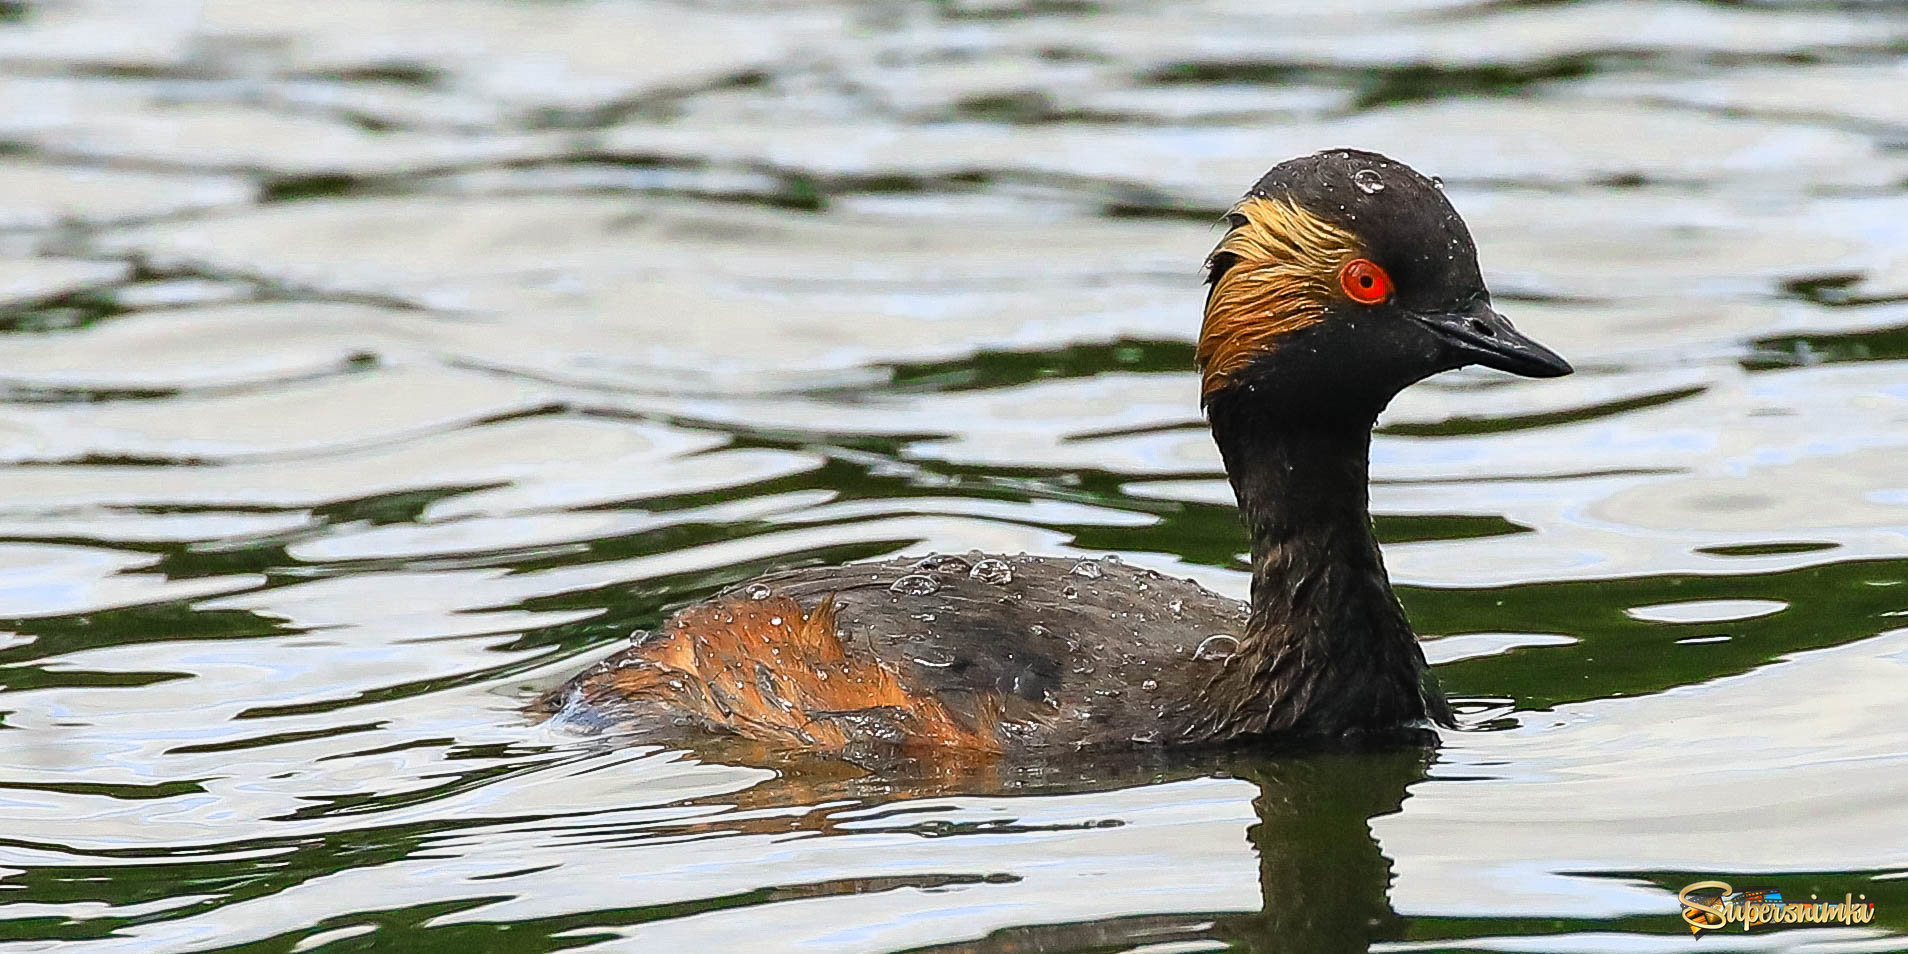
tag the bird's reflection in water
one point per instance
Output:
(1323, 882)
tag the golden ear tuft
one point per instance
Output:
(1273, 274)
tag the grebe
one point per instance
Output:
(1344, 277)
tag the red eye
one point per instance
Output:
(1364, 281)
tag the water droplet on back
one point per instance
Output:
(1070, 592)
(1437, 182)
(758, 591)
(915, 584)
(997, 572)
(1368, 181)
(946, 563)
(1217, 646)
(1090, 569)
(935, 659)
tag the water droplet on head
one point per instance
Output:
(1090, 569)
(758, 591)
(1217, 646)
(1368, 181)
(997, 572)
(1070, 592)
(1176, 606)
(1150, 685)
(915, 584)
(1437, 182)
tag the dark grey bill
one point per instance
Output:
(1482, 336)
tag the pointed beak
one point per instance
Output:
(1482, 336)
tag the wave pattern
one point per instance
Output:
(367, 366)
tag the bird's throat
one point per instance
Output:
(1328, 648)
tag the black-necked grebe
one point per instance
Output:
(1344, 277)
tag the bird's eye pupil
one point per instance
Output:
(1364, 282)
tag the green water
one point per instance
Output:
(368, 367)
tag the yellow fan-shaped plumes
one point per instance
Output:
(1278, 273)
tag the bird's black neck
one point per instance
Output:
(1328, 650)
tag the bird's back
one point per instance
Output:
(983, 654)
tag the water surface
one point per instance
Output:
(370, 366)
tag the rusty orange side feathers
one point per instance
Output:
(766, 670)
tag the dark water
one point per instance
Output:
(370, 365)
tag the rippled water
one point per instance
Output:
(370, 365)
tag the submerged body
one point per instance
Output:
(1344, 277)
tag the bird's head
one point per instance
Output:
(1344, 277)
